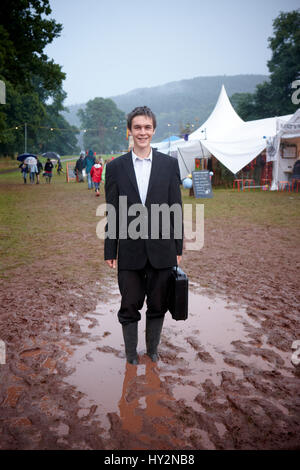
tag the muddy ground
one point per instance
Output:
(224, 380)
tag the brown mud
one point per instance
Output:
(224, 379)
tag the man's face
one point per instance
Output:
(142, 131)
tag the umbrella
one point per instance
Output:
(51, 155)
(23, 156)
(30, 160)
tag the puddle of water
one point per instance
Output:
(192, 351)
(213, 325)
(187, 393)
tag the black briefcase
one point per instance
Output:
(178, 296)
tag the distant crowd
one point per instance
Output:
(89, 166)
(93, 167)
(35, 168)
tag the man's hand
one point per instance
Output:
(179, 260)
(111, 263)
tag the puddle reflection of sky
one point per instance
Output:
(136, 393)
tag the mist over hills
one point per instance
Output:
(181, 102)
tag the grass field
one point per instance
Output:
(254, 206)
(35, 218)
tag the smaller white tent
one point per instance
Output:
(285, 156)
(165, 145)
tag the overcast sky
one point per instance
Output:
(109, 47)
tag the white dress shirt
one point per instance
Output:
(142, 168)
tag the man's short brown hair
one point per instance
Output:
(141, 111)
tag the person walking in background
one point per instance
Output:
(80, 164)
(32, 171)
(24, 171)
(146, 178)
(59, 167)
(39, 169)
(96, 173)
(89, 161)
(48, 170)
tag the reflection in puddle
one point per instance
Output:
(143, 398)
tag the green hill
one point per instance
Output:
(179, 103)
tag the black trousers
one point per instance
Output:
(136, 285)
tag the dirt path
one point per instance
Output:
(224, 381)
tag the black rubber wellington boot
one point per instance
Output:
(130, 334)
(153, 332)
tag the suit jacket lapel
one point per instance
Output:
(130, 172)
(154, 173)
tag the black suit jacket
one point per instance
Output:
(164, 188)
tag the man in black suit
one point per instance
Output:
(147, 246)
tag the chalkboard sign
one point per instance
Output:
(70, 174)
(202, 184)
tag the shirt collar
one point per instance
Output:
(136, 157)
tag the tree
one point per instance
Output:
(284, 65)
(274, 97)
(20, 108)
(28, 31)
(32, 79)
(105, 126)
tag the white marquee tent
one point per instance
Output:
(234, 142)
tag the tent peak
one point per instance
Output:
(222, 119)
(224, 105)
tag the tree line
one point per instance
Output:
(34, 92)
(34, 89)
(35, 95)
(274, 97)
(104, 125)
(179, 102)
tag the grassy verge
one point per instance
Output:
(8, 163)
(58, 221)
(38, 220)
(267, 208)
